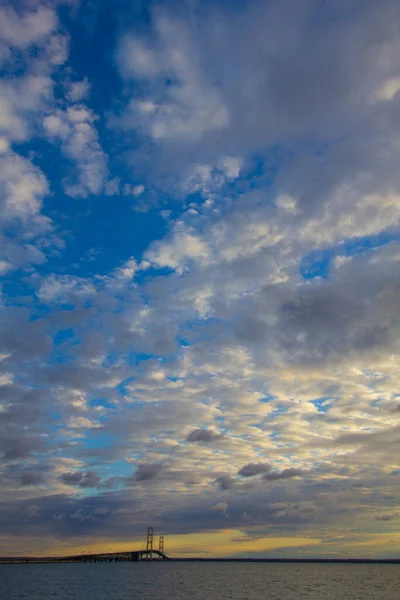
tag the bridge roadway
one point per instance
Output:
(133, 556)
(129, 556)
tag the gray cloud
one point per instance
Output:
(32, 479)
(203, 435)
(82, 480)
(292, 90)
(147, 471)
(253, 469)
(387, 517)
(22, 446)
(284, 474)
(225, 482)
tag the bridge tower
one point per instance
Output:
(149, 543)
(161, 544)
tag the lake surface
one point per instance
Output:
(199, 581)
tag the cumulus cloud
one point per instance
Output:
(209, 179)
(23, 30)
(54, 288)
(33, 47)
(124, 274)
(23, 100)
(22, 188)
(78, 90)
(203, 435)
(184, 111)
(183, 248)
(75, 128)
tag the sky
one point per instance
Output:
(199, 263)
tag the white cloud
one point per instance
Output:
(57, 49)
(34, 47)
(59, 287)
(389, 89)
(6, 378)
(122, 276)
(82, 423)
(5, 266)
(21, 101)
(188, 108)
(22, 188)
(202, 179)
(4, 145)
(209, 179)
(78, 90)
(183, 247)
(352, 214)
(231, 166)
(133, 190)
(22, 30)
(112, 187)
(56, 126)
(137, 190)
(77, 132)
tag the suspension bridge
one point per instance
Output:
(152, 549)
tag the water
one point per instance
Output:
(199, 581)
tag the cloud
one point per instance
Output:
(188, 108)
(179, 251)
(78, 90)
(112, 187)
(32, 479)
(147, 472)
(388, 517)
(185, 70)
(258, 295)
(209, 179)
(226, 482)
(60, 287)
(124, 274)
(82, 480)
(32, 48)
(253, 469)
(23, 30)
(22, 188)
(138, 190)
(75, 128)
(20, 449)
(203, 435)
(285, 474)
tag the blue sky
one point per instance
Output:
(199, 262)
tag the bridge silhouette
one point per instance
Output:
(148, 553)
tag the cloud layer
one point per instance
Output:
(200, 276)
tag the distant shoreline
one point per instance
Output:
(294, 560)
